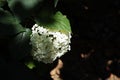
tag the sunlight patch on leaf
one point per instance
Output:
(30, 64)
(57, 22)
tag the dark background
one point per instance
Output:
(96, 29)
(95, 26)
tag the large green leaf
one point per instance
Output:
(20, 47)
(57, 22)
(9, 25)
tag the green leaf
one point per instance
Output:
(19, 9)
(25, 3)
(24, 9)
(9, 25)
(30, 64)
(20, 47)
(57, 22)
(27, 8)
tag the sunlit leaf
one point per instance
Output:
(57, 22)
(30, 64)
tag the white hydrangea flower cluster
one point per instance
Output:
(48, 45)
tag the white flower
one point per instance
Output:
(48, 45)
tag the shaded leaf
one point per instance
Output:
(25, 3)
(20, 47)
(19, 9)
(24, 8)
(2, 2)
(9, 25)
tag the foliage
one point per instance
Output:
(16, 22)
